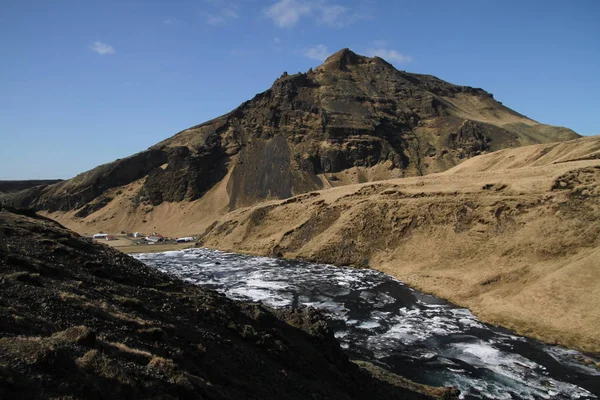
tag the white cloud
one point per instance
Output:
(330, 14)
(230, 12)
(334, 15)
(287, 13)
(224, 13)
(318, 52)
(215, 20)
(102, 48)
(389, 55)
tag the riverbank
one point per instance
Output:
(378, 319)
(517, 246)
(155, 248)
(81, 320)
(513, 235)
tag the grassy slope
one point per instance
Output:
(513, 235)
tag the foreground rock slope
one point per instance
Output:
(353, 119)
(81, 320)
(513, 235)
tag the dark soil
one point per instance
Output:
(81, 320)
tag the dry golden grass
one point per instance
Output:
(491, 234)
(519, 244)
(121, 347)
(105, 309)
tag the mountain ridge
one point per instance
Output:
(352, 119)
(16, 185)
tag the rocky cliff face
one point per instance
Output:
(352, 119)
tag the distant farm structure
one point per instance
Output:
(154, 238)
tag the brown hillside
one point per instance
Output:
(353, 119)
(513, 235)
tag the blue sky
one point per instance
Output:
(84, 82)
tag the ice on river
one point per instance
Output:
(378, 318)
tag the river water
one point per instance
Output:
(378, 318)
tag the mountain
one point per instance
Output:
(513, 235)
(17, 186)
(81, 320)
(352, 119)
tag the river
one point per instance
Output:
(377, 318)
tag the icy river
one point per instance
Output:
(378, 318)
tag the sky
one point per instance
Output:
(83, 83)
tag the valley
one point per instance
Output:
(353, 164)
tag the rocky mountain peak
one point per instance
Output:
(353, 119)
(342, 59)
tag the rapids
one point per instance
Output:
(378, 318)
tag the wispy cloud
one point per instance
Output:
(231, 12)
(380, 49)
(215, 20)
(171, 21)
(318, 52)
(287, 13)
(223, 13)
(102, 48)
(336, 15)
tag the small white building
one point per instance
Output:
(100, 236)
(155, 238)
(184, 239)
(138, 235)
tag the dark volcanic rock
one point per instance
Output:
(352, 111)
(473, 138)
(81, 320)
(17, 186)
(76, 193)
(187, 176)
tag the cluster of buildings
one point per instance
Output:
(150, 239)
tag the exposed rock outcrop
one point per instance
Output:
(17, 186)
